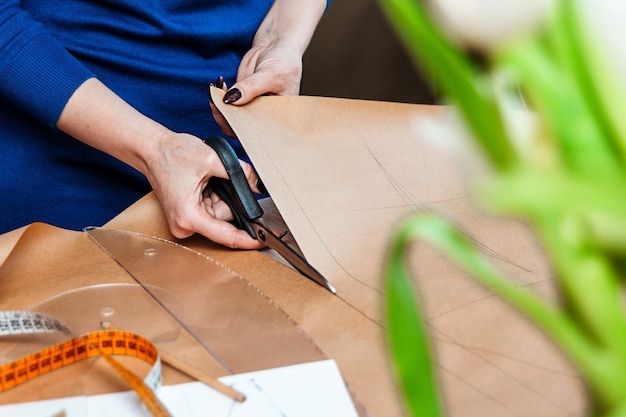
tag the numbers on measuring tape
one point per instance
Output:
(27, 322)
(100, 343)
(117, 342)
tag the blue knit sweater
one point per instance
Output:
(158, 55)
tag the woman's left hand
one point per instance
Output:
(273, 65)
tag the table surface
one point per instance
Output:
(69, 260)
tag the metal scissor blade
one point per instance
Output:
(291, 256)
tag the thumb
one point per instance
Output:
(251, 87)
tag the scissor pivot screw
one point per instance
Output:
(262, 235)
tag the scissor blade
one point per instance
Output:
(291, 256)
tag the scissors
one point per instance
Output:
(247, 212)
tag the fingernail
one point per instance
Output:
(220, 82)
(232, 95)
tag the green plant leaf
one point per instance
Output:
(603, 368)
(596, 80)
(561, 106)
(407, 338)
(455, 74)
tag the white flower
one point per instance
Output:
(605, 21)
(486, 24)
(449, 134)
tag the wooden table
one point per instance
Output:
(43, 262)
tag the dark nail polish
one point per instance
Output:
(220, 82)
(232, 95)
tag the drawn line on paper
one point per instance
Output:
(258, 402)
(413, 206)
(482, 298)
(437, 334)
(440, 336)
(302, 210)
(411, 202)
(474, 352)
(259, 390)
(523, 361)
(478, 390)
(416, 205)
(463, 305)
(278, 172)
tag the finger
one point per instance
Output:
(226, 234)
(217, 207)
(251, 176)
(253, 86)
(216, 230)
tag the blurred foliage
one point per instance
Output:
(568, 184)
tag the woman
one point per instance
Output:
(100, 101)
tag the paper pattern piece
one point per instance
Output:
(308, 390)
(343, 174)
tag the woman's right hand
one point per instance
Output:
(177, 165)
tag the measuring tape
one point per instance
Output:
(27, 322)
(99, 343)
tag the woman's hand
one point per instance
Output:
(267, 69)
(177, 165)
(180, 175)
(273, 65)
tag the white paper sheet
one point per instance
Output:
(305, 390)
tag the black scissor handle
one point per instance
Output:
(235, 191)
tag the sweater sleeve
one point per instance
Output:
(37, 74)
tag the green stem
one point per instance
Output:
(590, 288)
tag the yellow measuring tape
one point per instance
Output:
(137, 346)
(99, 343)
